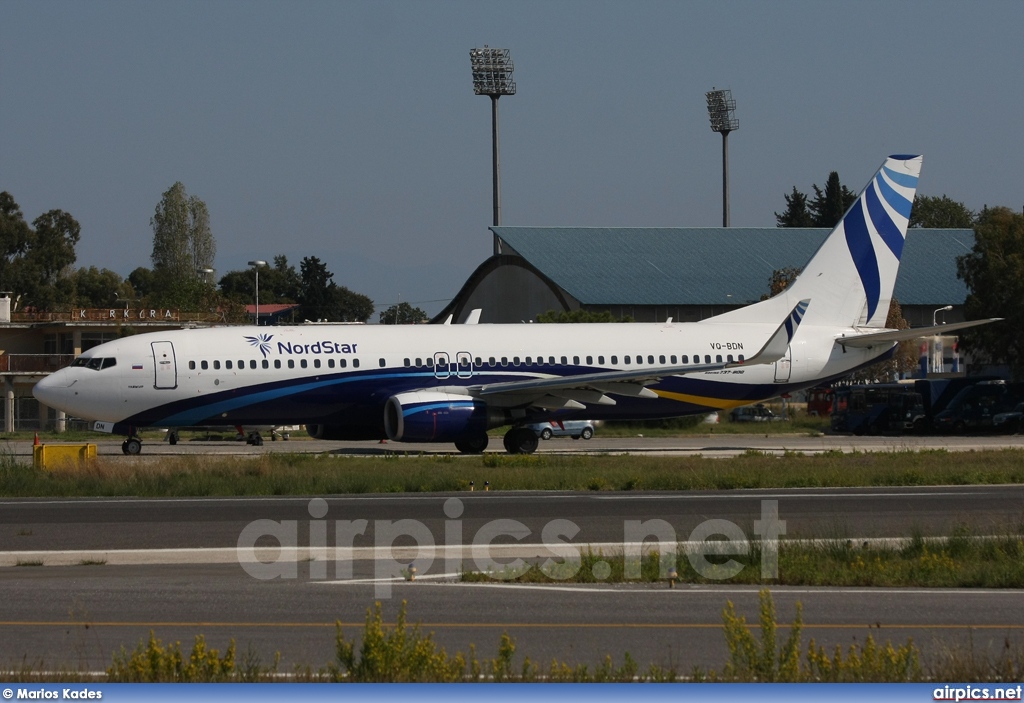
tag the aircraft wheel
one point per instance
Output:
(172, 438)
(132, 446)
(472, 445)
(520, 440)
(257, 439)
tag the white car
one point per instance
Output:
(567, 428)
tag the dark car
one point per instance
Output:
(1009, 422)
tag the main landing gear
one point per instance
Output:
(132, 446)
(520, 440)
(473, 445)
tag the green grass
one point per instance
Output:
(958, 561)
(321, 474)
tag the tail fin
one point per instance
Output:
(852, 275)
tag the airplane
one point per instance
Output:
(453, 383)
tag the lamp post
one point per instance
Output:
(492, 76)
(256, 265)
(722, 112)
(937, 311)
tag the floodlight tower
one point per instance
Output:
(492, 76)
(722, 111)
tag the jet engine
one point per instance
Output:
(434, 416)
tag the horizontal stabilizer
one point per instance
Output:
(872, 339)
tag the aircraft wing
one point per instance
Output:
(574, 391)
(872, 339)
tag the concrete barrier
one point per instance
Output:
(62, 456)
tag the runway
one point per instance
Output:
(77, 615)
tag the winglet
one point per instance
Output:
(776, 347)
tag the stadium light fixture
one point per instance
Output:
(492, 76)
(722, 111)
(256, 265)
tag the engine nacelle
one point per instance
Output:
(433, 416)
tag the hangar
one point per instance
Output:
(686, 273)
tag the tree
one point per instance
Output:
(322, 299)
(994, 274)
(828, 207)
(781, 280)
(36, 260)
(903, 360)
(796, 214)
(403, 314)
(15, 235)
(941, 212)
(182, 244)
(102, 288)
(142, 281)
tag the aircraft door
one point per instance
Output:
(464, 365)
(783, 366)
(441, 365)
(166, 370)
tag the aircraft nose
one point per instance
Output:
(52, 390)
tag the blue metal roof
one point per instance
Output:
(715, 265)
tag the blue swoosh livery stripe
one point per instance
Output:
(887, 229)
(902, 179)
(859, 242)
(895, 200)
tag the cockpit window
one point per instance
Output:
(95, 363)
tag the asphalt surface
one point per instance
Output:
(172, 566)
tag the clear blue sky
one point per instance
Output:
(349, 130)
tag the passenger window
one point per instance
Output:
(478, 361)
(650, 359)
(216, 363)
(406, 362)
(342, 363)
(576, 361)
(355, 363)
(625, 359)
(515, 361)
(381, 362)
(266, 364)
(419, 361)
(551, 360)
(718, 358)
(707, 358)
(684, 359)
(316, 363)
(741, 357)
(673, 358)
(277, 363)
(303, 363)
(565, 361)
(330, 363)
(590, 360)
(241, 364)
(291, 363)
(504, 361)
(192, 365)
(491, 361)
(661, 359)
(204, 365)
(600, 360)
(252, 363)
(227, 364)
(615, 360)
(529, 360)
(729, 358)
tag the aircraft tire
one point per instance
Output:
(132, 446)
(521, 440)
(472, 445)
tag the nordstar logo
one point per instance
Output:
(262, 342)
